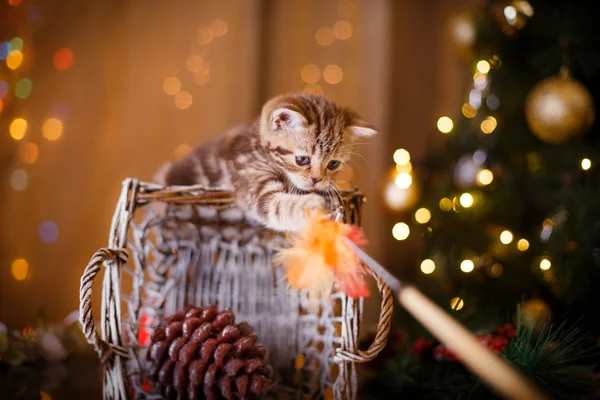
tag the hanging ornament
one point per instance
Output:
(559, 109)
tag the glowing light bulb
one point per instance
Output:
(427, 266)
(401, 156)
(467, 266)
(456, 303)
(400, 231)
(586, 164)
(506, 237)
(545, 264)
(485, 177)
(422, 215)
(523, 244)
(466, 200)
(483, 67)
(403, 180)
(445, 124)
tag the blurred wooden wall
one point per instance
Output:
(398, 72)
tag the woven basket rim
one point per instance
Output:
(201, 194)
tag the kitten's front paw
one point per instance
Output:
(313, 202)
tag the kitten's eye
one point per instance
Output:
(302, 160)
(333, 164)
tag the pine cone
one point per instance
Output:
(201, 353)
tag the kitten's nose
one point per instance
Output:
(316, 180)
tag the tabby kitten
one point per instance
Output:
(281, 164)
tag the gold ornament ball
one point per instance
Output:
(535, 313)
(559, 109)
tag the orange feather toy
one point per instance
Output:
(319, 257)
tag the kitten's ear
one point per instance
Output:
(287, 120)
(357, 126)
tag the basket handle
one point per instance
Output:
(383, 326)
(105, 350)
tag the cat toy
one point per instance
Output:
(328, 251)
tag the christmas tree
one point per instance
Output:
(506, 203)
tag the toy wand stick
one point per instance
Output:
(492, 369)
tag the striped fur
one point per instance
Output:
(258, 162)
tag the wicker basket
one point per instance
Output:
(169, 247)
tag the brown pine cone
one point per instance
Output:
(201, 353)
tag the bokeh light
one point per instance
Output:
(18, 128)
(404, 167)
(310, 73)
(342, 30)
(467, 266)
(506, 237)
(480, 80)
(469, 111)
(466, 200)
(456, 303)
(1, 106)
(183, 100)
(52, 129)
(333, 74)
(194, 63)
(16, 43)
(445, 124)
(400, 231)
(403, 180)
(510, 12)
(523, 244)
(19, 180)
(545, 264)
(4, 50)
(182, 150)
(63, 59)
(485, 177)
(3, 89)
(171, 86)
(483, 67)
(219, 27)
(29, 152)
(445, 204)
(427, 266)
(23, 88)
(20, 269)
(488, 125)
(496, 270)
(48, 232)
(205, 35)
(14, 59)
(314, 88)
(324, 36)
(422, 215)
(14, 2)
(401, 156)
(586, 163)
(202, 77)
